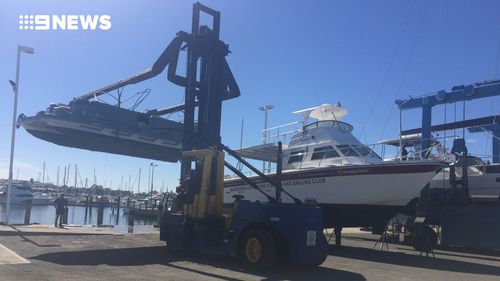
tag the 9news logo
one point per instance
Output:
(64, 22)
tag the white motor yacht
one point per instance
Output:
(19, 194)
(327, 165)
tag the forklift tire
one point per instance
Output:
(175, 244)
(258, 248)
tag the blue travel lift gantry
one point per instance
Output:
(457, 94)
(258, 232)
(462, 223)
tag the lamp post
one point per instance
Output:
(265, 134)
(15, 88)
(152, 177)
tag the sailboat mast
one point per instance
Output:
(76, 174)
(43, 173)
(57, 181)
(64, 177)
(139, 183)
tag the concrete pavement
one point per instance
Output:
(90, 256)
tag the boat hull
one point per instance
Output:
(364, 195)
(484, 181)
(102, 139)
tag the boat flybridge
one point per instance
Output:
(325, 164)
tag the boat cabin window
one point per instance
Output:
(324, 152)
(471, 160)
(344, 127)
(347, 150)
(296, 156)
(143, 118)
(363, 150)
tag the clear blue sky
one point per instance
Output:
(292, 54)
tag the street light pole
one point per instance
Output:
(15, 87)
(152, 177)
(265, 134)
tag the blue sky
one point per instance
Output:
(292, 54)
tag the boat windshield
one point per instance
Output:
(365, 151)
(347, 150)
(344, 127)
(53, 108)
(471, 160)
(324, 153)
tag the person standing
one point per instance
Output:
(60, 204)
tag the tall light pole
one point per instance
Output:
(265, 135)
(15, 88)
(152, 176)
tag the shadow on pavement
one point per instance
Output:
(159, 255)
(26, 239)
(403, 259)
(458, 254)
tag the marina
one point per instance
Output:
(404, 187)
(76, 216)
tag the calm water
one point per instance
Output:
(45, 214)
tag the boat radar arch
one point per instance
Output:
(324, 112)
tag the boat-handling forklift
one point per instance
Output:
(259, 232)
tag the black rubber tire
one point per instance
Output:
(268, 248)
(176, 245)
(324, 253)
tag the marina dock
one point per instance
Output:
(47, 253)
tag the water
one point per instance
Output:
(46, 214)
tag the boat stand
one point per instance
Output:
(383, 239)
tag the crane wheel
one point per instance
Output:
(258, 248)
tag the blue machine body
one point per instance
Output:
(298, 230)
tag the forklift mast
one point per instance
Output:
(205, 60)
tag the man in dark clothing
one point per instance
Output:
(60, 204)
